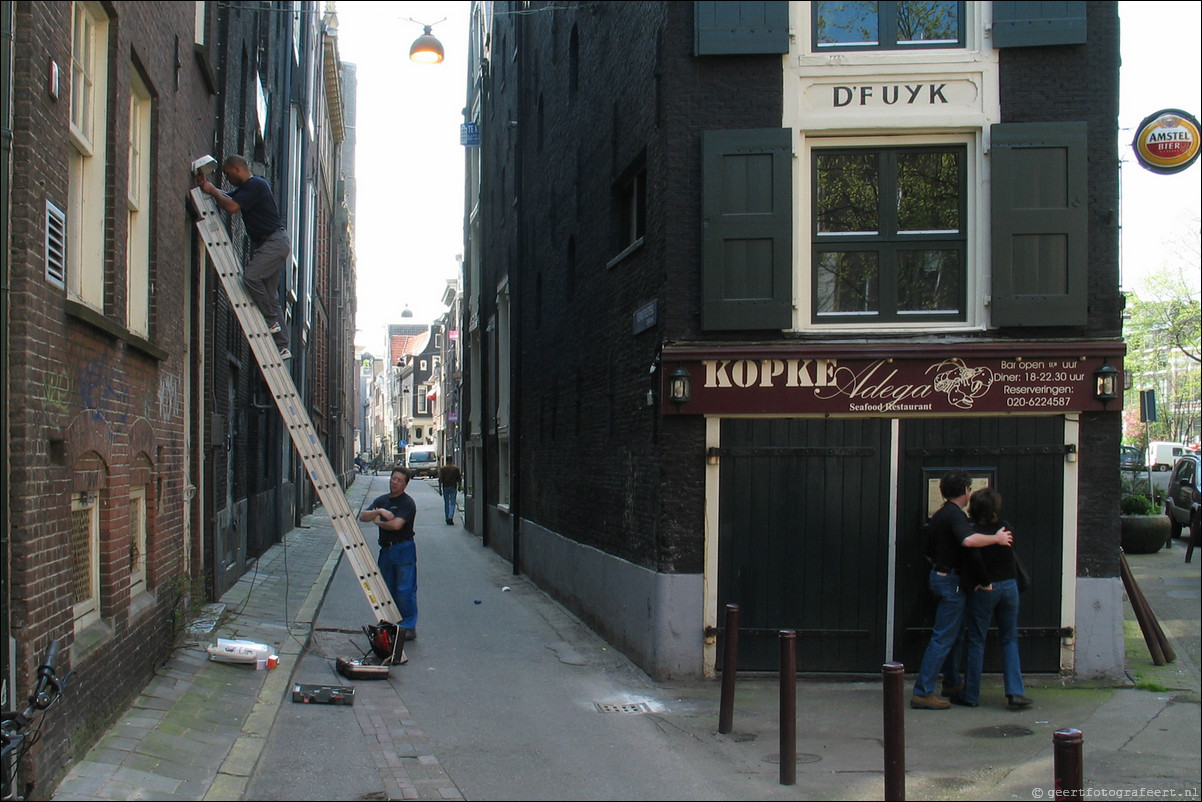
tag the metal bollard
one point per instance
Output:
(788, 707)
(730, 651)
(1068, 766)
(893, 677)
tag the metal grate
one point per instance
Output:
(81, 546)
(629, 707)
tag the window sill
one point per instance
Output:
(629, 249)
(140, 603)
(92, 317)
(88, 639)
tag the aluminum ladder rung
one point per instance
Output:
(313, 456)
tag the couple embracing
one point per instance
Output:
(973, 578)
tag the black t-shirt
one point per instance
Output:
(949, 527)
(403, 507)
(259, 212)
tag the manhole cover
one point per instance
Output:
(629, 707)
(801, 758)
(1001, 731)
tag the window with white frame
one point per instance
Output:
(889, 234)
(87, 157)
(137, 540)
(901, 25)
(137, 251)
(85, 559)
(423, 403)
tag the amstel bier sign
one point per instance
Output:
(1167, 141)
(842, 381)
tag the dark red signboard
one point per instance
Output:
(809, 382)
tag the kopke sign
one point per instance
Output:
(888, 386)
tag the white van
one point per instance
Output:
(1162, 455)
(422, 460)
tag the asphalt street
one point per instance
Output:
(506, 695)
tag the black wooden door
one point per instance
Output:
(803, 540)
(1024, 459)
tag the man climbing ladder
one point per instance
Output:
(253, 199)
(292, 409)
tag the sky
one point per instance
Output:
(410, 165)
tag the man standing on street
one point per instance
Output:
(949, 530)
(394, 513)
(449, 476)
(253, 199)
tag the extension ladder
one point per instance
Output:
(279, 380)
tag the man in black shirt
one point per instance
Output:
(394, 513)
(252, 198)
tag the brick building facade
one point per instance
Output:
(697, 189)
(146, 466)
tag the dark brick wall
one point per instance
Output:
(595, 464)
(1080, 82)
(592, 459)
(91, 405)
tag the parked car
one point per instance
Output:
(1130, 458)
(1163, 454)
(1181, 500)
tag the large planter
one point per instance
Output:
(1144, 534)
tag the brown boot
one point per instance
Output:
(931, 702)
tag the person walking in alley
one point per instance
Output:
(394, 513)
(253, 199)
(949, 530)
(449, 477)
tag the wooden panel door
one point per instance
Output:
(803, 540)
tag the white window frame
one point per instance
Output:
(139, 524)
(976, 222)
(85, 578)
(86, 213)
(896, 47)
(137, 251)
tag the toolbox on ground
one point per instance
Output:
(323, 694)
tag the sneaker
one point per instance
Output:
(274, 329)
(931, 702)
(1018, 700)
(285, 354)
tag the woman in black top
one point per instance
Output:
(995, 593)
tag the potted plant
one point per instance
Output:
(1143, 529)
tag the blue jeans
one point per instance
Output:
(940, 655)
(398, 568)
(448, 502)
(1002, 601)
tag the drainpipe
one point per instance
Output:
(6, 146)
(516, 283)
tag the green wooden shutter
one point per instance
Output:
(747, 229)
(1040, 207)
(732, 28)
(1031, 24)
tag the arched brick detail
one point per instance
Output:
(142, 451)
(89, 450)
